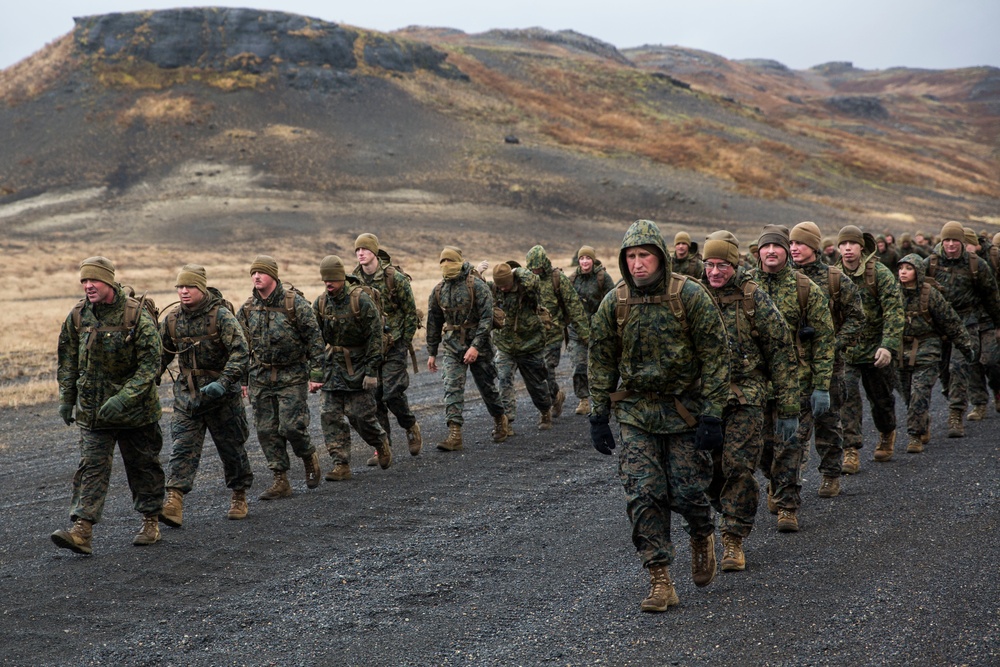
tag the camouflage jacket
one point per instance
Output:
(883, 313)
(203, 359)
(284, 351)
(974, 298)
(523, 331)
(760, 350)
(690, 266)
(654, 356)
(94, 366)
(923, 330)
(566, 308)
(889, 258)
(845, 307)
(815, 355)
(357, 338)
(591, 287)
(398, 304)
(454, 321)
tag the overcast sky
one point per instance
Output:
(873, 34)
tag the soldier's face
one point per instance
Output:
(773, 257)
(97, 291)
(850, 252)
(880, 245)
(802, 254)
(333, 286)
(364, 255)
(718, 272)
(641, 262)
(189, 295)
(681, 250)
(920, 240)
(907, 274)
(586, 264)
(262, 282)
(952, 248)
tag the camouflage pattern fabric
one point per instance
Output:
(922, 338)
(734, 491)
(879, 384)
(343, 410)
(916, 384)
(781, 463)
(571, 311)
(828, 426)
(535, 376)
(883, 313)
(985, 366)
(523, 333)
(484, 374)
(578, 357)
(394, 380)
(281, 418)
(591, 287)
(847, 304)
(690, 266)
(889, 258)
(454, 309)
(360, 335)
(227, 422)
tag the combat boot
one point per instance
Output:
(978, 413)
(150, 531)
(238, 507)
(557, 404)
(662, 593)
(915, 445)
(956, 429)
(453, 442)
(926, 436)
(341, 472)
(499, 431)
(852, 462)
(384, 453)
(76, 538)
(279, 489)
(172, 513)
(733, 558)
(584, 407)
(545, 420)
(510, 429)
(414, 441)
(829, 487)
(772, 504)
(703, 560)
(313, 471)
(884, 448)
(788, 521)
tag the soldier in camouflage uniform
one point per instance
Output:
(686, 260)
(520, 342)
(848, 320)
(870, 361)
(459, 320)
(812, 332)
(350, 372)
(212, 356)
(760, 347)
(375, 269)
(286, 361)
(907, 246)
(591, 282)
(660, 362)
(563, 304)
(928, 318)
(109, 355)
(886, 253)
(989, 352)
(968, 285)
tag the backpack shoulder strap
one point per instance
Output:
(750, 307)
(172, 324)
(621, 305)
(356, 301)
(833, 275)
(870, 281)
(925, 299)
(674, 287)
(973, 264)
(932, 265)
(390, 279)
(802, 291)
(77, 314)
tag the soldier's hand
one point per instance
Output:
(432, 364)
(482, 266)
(820, 402)
(66, 412)
(471, 355)
(314, 386)
(214, 390)
(786, 428)
(244, 390)
(111, 410)
(601, 436)
(708, 437)
(883, 357)
(370, 383)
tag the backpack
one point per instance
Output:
(747, 304)
(356, 289)
(288, 308)
(672, 296)
(499, 317)
(834, 276)
(133, 309)
(935, 260)
(213, 322)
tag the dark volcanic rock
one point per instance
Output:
(766, 64)
(859, 106)
(567, 38)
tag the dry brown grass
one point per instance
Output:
(30, 76)
(165, 108)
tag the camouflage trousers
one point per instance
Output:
(552, 353)
(959, 372)
(281, 418)
(879, 384)
(987, 367)
(916, 384)
(828, 426)
(781, 463)
(342, 410)
(663, 473)
(394, 380)
(534, 374)
(484, 374)
(227, 422)
(140, 448)
(734, 491)
(578, 355)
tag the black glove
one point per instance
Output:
(708, 437)
(214, 390)
(66, 412)
(600, 435)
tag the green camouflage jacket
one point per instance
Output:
(355, 337)
(922, 336)
(690, 266)
(284, 350)
(760, 350)
(883, 313)
(974, 298)
(398, 304)
(454, 321)
(114, 365)
(570, 312)
(655, 355)
(224, 357)
(591, 287)
(523, 331)
(845, 307)
(815, 355)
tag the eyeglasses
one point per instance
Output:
(717, 266)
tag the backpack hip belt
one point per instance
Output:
(910, 358)
(274, 367)
(685, 414)
(347, 351)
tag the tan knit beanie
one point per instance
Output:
(97, 268)
(851, 234)
(971, 238)
(587, 251)
(777, 234)
(503, 275)
(264, 264)
(682, 237)
(807, 233)
(722, 245)
(332, 269)
(193, 275)
(954, 231)
(368, 242)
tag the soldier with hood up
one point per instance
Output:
(659, 360)
(591, 281)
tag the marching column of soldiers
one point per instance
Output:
(713, 365)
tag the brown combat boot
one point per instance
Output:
(829, 487)
(150, 531)
(733, 558)
(414, 441)
(852, 462)
(510, 429)
(788, 521)
(956, 429)
(977, 414)
(384, 453)
(313, 471)
(341, 472)
(545, 420)
(557, 404)
(703, 560)
(915, 445)
(453, 442)
(279, 489)
(172, 513)
(772, 504)
(584, 407)
(499, 432)
(884, 448)
(76, 538)
(662, 593)
(238, 507)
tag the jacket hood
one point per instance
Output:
(538, 259)
(642, 232)
(917, 262)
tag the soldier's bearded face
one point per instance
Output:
(586, 264)
(97, 291)
(681, 250)
(642, 263)
(263, 283)
(773, 257)
(952, 248)
(802, 254)
(333, 286)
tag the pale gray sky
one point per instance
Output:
(873, 34)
